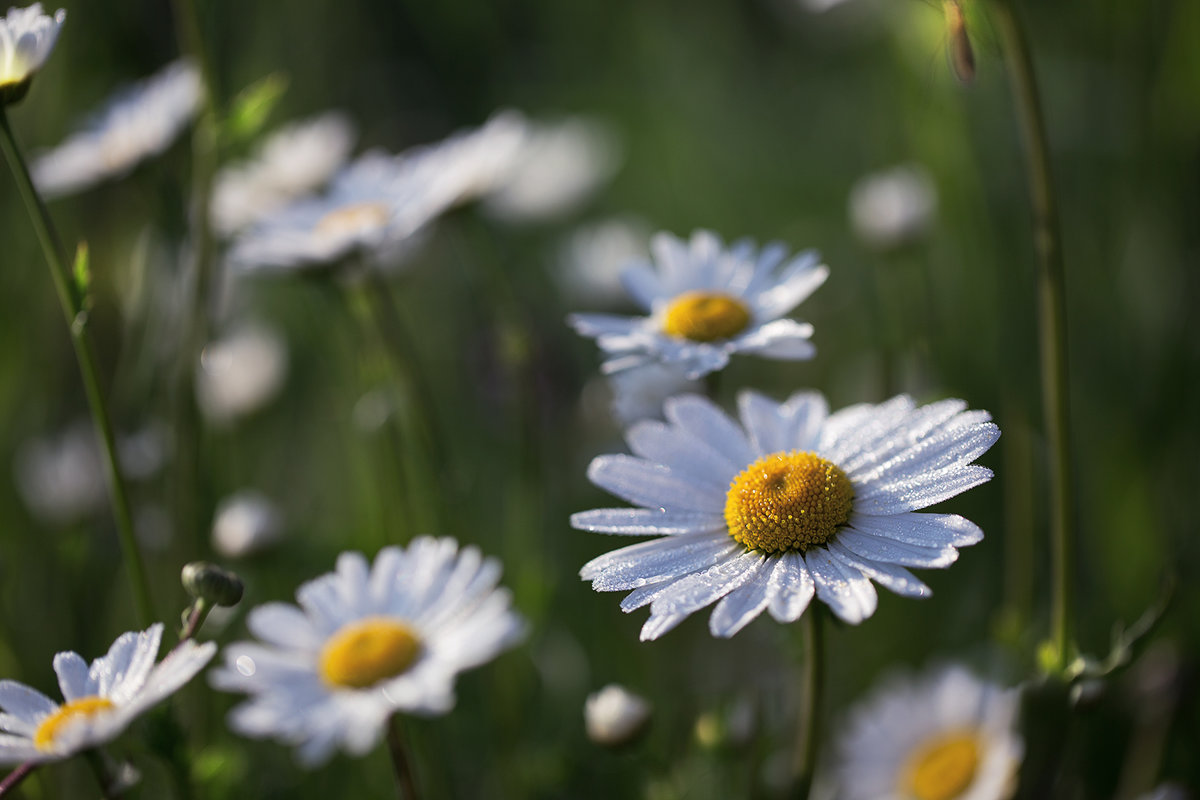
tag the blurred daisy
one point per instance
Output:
(639, 393)
(139, 122)
(892, 208)
(592, 258)
(240, 373)
(296, 160)
(707, 302)
(794, 501)
(614, 715)
(101, 700)
(944, 736)
(246, 523)
(27, 35)
(368, 641)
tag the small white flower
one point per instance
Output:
(592, 259)
(707, 302)
(139, 122)
(240, 373)
(793, 502)
(101, 700)
(246, 523)
(366, 642)
(614, 715)
(944, 736)
(893, 208)
(296, 160)
(27, 35)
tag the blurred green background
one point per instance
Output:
(752, 119)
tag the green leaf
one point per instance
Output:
(252, 107)
(81, 274)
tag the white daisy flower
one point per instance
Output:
(705, 303)
(101, 700)
(296, 160)
(368, 641)
(246, 523)
(139, 122)
(944, 736)
(240, 373)
(614, 715)
(27, 35)
(892, 208)
(793, 502)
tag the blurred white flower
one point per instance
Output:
(368, 641)
(892, 208)
(27, 35)
(246, 523)
(101, 700)
(240, 373)
(1167, 791)
(944, 736)
(558, 167)
(138, 122)
(639, 393)
(614, 715)
(593, 257)
(294, 161)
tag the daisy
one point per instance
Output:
(793, 502)
(101, 700)
(893, 208)
(615, 716)
(27, 36)
(139, 122)
(707, 302)
(368, 641)
(944, 736)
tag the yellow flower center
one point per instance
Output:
(366, 652)
(353, 219)
(788, 501)
(43, 737)
(706, 316)
(943, 768)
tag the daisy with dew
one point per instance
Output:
(705, 303)
(27, 36)
(793, 502)
(367, 641)
(100, 700)
(139, 122)
(946, 735)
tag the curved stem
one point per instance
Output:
(1052, 321)
(400, 762)
(72, 299)
(811, 708)
(14, 778)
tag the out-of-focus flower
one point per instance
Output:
(139, 122)
(593, 257)
(793, 502)
(240, 373)
(892, 208)
(558, 167)
(246, 523)
(639, 393)
(944, 736)
(27, 36)
(615, 716)
(101, 700)
(1167, 791)
(366, 642)
(296, 160)
(707, 302)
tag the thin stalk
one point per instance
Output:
(401, 766)
(109, 788)
(1052, 323)
(72, 300)
(14, 778)
(811, 707)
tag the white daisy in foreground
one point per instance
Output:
(368, 641)
(27, 36)
(705, 303)
(944, 736)
(794, 501)
(101, 700)
(139, 122)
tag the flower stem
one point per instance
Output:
(400, 762)
(14, 778)
(811, 708)
(110, 789)
(72, 298)
(1052, 322)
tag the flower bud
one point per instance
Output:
(212, 584)
(615, 716)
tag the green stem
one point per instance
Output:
(811, 708)
(109, 788)
(401, 765)
(71, 298)
(1052, 322)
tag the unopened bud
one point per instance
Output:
(615, 716)
(212, 584)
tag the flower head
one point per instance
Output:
(793, 502)
(368, 641)
(707, 302)
(138, 122)
(27, 36)
(614, 715)
(101, 700)
(944, 736)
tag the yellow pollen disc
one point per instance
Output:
(352, 219)
(366, 652)
(706, 316)
(43, 737)
(788, 501)
(943, 768)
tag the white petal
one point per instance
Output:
(843, 588)
(910, 494)
(654, 486)
(73, 678)
(796, 282)
(643, 285)
(790, 588)
(854, 429)
(283, 625)
(764, 423)
(594, 325)
(696, 591)
(896, 432)
(894, 577)
(952, 444)
(927, 530)
(891, 551)
(678, 450)
(700, 417)
(657, 560)
(647, 521)
(24, 702)
(738, 608)
(784, 339)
